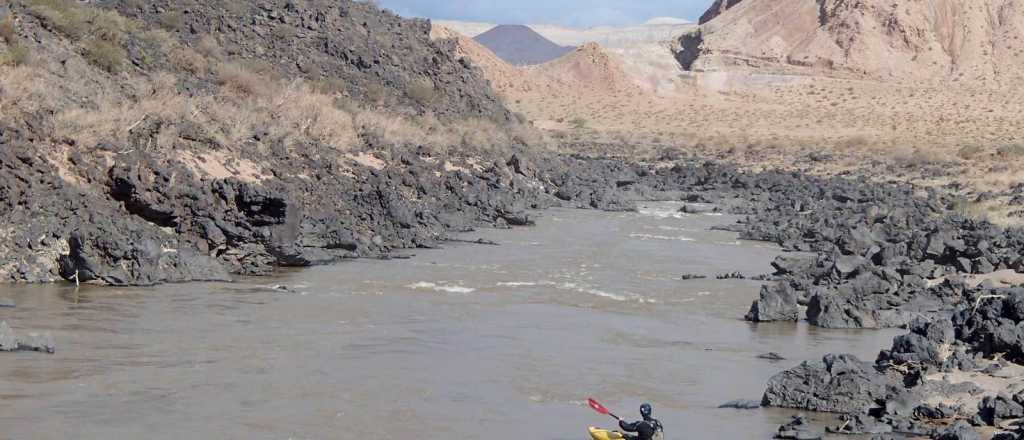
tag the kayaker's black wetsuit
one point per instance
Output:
(648, 429)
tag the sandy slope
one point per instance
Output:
(963, 40)
(969, 128)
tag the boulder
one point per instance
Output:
(993, 410)
(778, 302)
(959, 431)
(798, 429)
(839, 383)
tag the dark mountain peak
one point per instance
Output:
(521, 45)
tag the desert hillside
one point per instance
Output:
(771, 114)
(145, 142)
(652, 31)
(958, 40)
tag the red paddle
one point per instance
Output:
(601, 409)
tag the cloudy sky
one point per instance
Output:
(581, 13)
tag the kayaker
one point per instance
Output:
(647, 429)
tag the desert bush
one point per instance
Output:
(105, 55)
(375, 93)
(854, 142)
(969, 152)
(330, 86)
(578, 124)
(422, 91)
(1010, 151)
(7, 31)
(108, 26)
(171, 20)
(284, 32)
(17, 55)
(241, 79)
(188, 60)
(209, 47)
(62, 16)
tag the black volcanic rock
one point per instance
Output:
(520, 45)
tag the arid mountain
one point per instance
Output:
(654, 31)
(520, 45)
(972, 40)
(588, 69)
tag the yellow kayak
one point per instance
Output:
(603, 434)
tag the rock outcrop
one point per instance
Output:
(965, 40)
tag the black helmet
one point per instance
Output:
(645, 410)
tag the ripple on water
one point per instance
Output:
(424, 285)
(660, 237)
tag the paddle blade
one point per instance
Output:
(598, 407)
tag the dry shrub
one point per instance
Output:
(7, 31)
(188, 60)
(578, 124)
(171, 20)
(23, 93)
(209, 47)
(105, 55)
(330, 86)
(375, 93)
(284, 32)
(17, 55)
(63, 16)
(110, 117)
(292, 113)
(241, 79)
(1013, 151)
(422, 91)
(854, 142)
(969, 152)
(76, 21)
(299, 114)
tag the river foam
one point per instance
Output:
(425, 285)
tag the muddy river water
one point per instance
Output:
(468, 342)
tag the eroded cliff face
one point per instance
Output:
(941, 40)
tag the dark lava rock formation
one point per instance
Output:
(376, 54)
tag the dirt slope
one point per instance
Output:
(966, 40)
(376, 54)
(520, 45)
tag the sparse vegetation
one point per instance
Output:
(209, 47)
(189, 61)
(284, 32)
(17, 55)
(969, 152)
(172, 20)
(7, 31)
(1013, 151)
(578, 124)
(422, 91)
(239, 78)
(105, 55)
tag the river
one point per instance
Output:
(468, 342)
